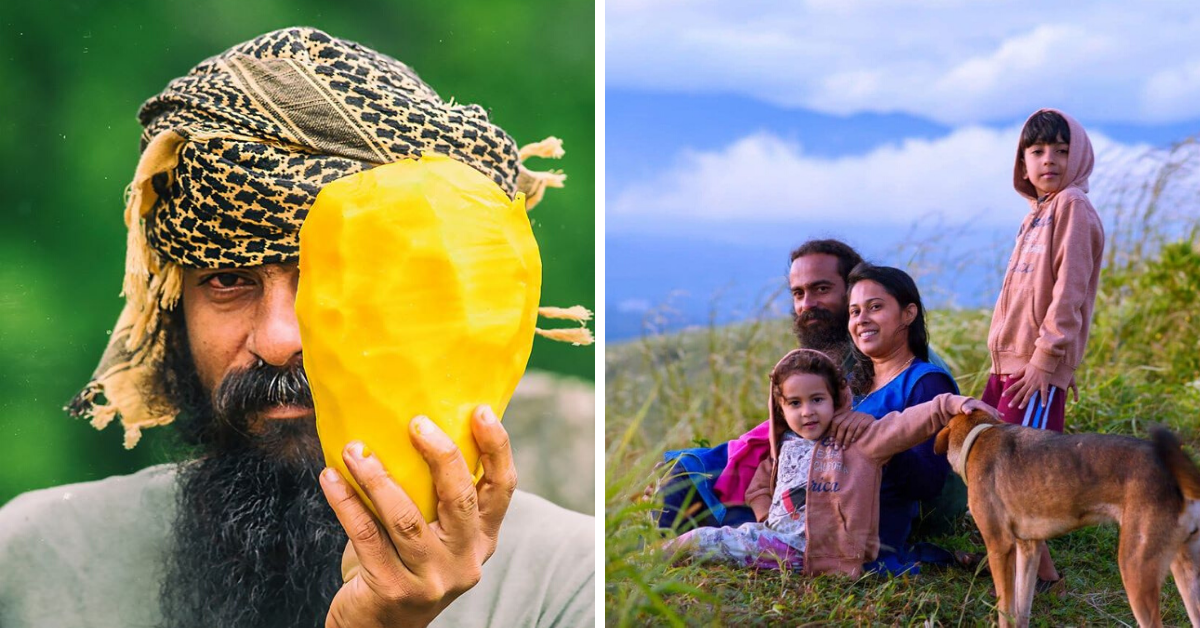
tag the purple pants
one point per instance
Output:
(1048, 414)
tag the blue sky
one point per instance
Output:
(735, 131)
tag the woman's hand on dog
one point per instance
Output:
(972, 405)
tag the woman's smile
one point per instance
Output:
(878, 325)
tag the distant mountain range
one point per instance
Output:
(668, 283)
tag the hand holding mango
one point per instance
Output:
(418, 296)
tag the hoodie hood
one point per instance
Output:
(1080, 160)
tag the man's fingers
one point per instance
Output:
(351, 565)
(371, 545)
(499, 474)
(399, 517)
(457, 502)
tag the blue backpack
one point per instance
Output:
(687, 492)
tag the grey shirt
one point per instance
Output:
(92, 555)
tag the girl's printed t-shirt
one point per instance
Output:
(781, 539)
(791, 486)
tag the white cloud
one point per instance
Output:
(1172, 92)
(762, 180)
(633, 306)
(955, 62)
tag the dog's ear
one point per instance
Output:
(942, 444)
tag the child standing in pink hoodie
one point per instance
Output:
(1040, 325)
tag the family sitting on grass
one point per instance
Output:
(843, 469)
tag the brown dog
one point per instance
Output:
(1026, 485)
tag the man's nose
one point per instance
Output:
(276, 335)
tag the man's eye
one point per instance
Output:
(225, 280)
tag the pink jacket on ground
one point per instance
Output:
(746, 453)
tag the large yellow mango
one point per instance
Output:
(418, 295)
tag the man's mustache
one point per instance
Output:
(815, 314)
(259, 387)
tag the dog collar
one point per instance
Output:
(966, 447)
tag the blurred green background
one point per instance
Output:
(73, 76)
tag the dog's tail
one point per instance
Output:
(1166, 445)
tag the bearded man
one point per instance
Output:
(820, 303)
(251, 531)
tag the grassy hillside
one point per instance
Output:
(705, 386)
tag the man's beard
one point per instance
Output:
(821, 329)
(255, 543)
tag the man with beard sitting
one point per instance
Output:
(820, 306)
(253, 530)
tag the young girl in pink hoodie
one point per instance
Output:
(817, 504)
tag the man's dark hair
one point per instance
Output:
(901, 287)
(847, 257)
(1044, 127)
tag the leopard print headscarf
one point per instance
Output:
(233, 155)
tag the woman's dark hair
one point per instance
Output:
(901, 287)
(812, 362)
(1044, 127)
